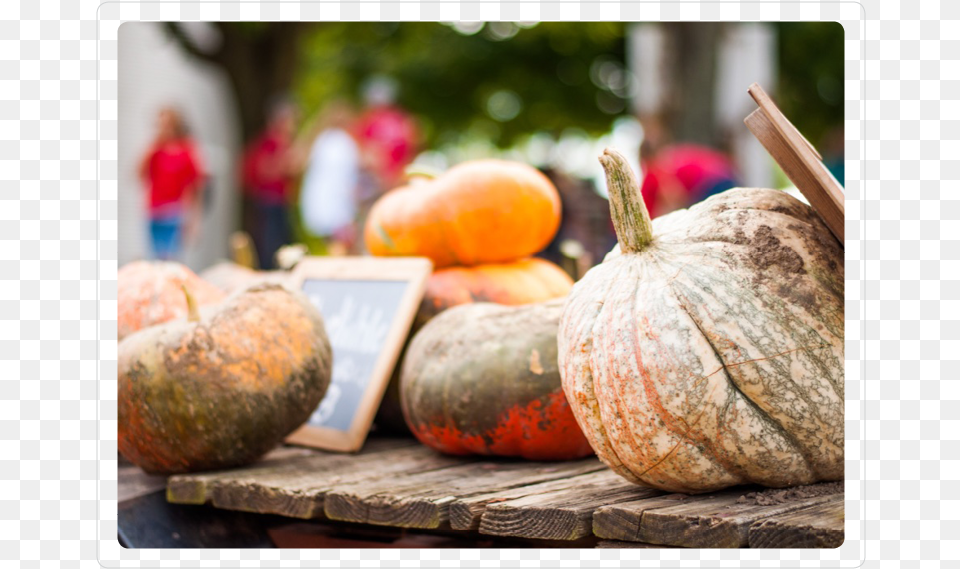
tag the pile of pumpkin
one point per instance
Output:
(705, 351)
(480, 373)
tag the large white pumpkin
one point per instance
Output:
(708, 351)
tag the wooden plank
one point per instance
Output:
(819, 526)
(720, 520)
(466, 511)
(614, 544)
(798, 159)
(423, 501)
(563, 514)
(192, 488)
(133, 482)
(622, 521)
(296, 486)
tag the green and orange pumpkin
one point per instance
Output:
(483, 379)
(220, 389)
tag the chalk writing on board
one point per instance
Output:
(357, 316)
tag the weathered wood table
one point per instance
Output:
(400, 483)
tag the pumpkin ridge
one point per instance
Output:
(783, 307)
(707, 449)
(765, 415)
(649, 388)
(608, 453)
(798, 448)
(572, 361)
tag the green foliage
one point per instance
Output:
(500, 83)
(505, 82)
(811, 89)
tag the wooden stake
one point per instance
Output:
(798, 158)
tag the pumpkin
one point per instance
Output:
(483, 379)
(149, 292)
(221, 389)
(484, 211)
(709, 351)
(520, 282)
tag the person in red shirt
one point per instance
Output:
(270, 164)
(173, 174)
(681, 175)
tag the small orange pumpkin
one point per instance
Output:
(484, 211)
(151, 292)
(520, 282)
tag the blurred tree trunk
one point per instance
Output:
(259, 58)
(678, 61)
(691, 109)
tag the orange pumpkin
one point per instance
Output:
(221, 388)
(151, 292)
(484, 211)
(521, 282)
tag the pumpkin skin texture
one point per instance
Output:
(149, 293)
(483, 379)
(521, 282)
(222, 391)
(484, 211)
(708, 352)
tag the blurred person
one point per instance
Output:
(328, 193)
(387, 134)
(269, 167)
(676, 176)
(173, 174)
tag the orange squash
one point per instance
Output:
(223, 387)
(521, 282)
(484, 211)
(150, 292)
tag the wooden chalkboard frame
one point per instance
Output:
(414, 271)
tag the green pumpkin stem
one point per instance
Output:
(420, 171)
(193, 313)
(631, 219)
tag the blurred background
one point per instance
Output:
(290, 131)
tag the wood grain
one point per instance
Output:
(465, 512)
(292, 481)
(401, 483)
(622, 521)
(423, 501)
(818, 526)
(563, 514)
(720, 520)
(614, 544)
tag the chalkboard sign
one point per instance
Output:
(368, 305)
